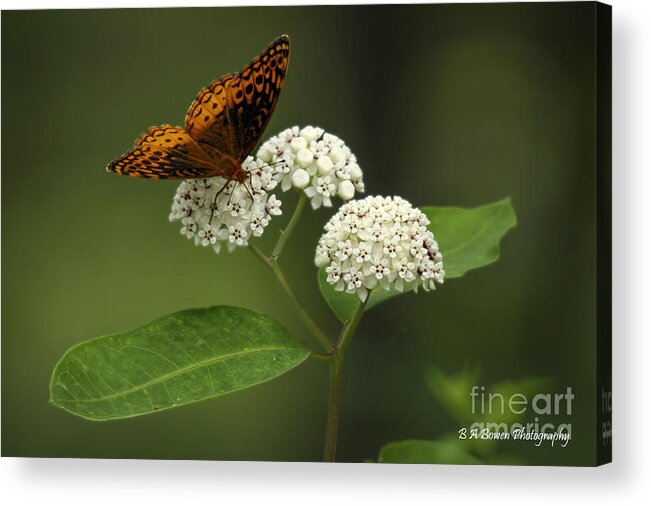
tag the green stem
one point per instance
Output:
(285, 234)
(336, 372)
(321, 356)
(318, 334)
(260, 254)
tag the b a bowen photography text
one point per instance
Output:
(542, 407)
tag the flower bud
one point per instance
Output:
(346, 190)
(305, 157)
(321, 260)
(265, 154)
(298, 143)
(300, 178)
(337, 154)
(354, 171)
(309, 133)
(324, 164)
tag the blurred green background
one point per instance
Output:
(443, 105)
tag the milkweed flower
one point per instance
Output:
(379, 243)
(315, 162)
(214, 211)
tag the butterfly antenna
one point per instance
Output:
(267, 165)
(249, 191)
(214, 201)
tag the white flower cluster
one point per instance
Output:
(379, 242)
(316, 162)
(216, 210)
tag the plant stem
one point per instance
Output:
(260, 254)
(336, 370)
(285, 234)
(336, 352)
(273, 265)
(307, 319)
(321, 356)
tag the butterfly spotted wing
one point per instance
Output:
(231, 114)
(223, 125)
(164, 152)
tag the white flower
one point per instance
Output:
(316, 162)
(320, 192)
(189, 227)
(259, 221)
(273, 206)
(237, 234)
(215, 211)
(208, 235)
(379, 243)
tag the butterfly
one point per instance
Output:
(222, 126)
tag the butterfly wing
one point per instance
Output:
(165, 152)
(231, 114)
(222, 126)
(207, 121)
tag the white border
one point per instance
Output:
(627, 481)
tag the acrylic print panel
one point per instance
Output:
(423, 190)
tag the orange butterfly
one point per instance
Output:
(222, 126)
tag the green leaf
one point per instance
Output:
(344, 304)
(468, 239)
(178, 359)
(415, 451)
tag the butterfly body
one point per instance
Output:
(222, 126)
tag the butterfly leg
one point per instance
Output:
(250, 174)
(230, 198)
(214, 202)
(249, 191)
